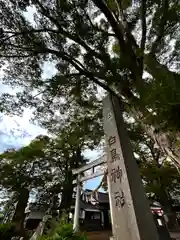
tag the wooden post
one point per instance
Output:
(77, 206)
(132, 218)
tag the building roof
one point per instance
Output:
(99, 197)
(85, 206)
(102, 197)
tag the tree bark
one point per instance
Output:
(67, 192)
(158, 70)
(163, 141)
(165, 201)
(19, 215)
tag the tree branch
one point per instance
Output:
(126, 46)
(99, 29)
(57, 31)
(60, 30)
(79, 66)
(154, 154)
(74, 62)
(119, 8)
(15, 34)
(117, 28)
(15, 56)
(76, 38)
(50, 81)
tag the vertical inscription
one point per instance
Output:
(116, 171)
(116, 176)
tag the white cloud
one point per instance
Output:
(17, 131)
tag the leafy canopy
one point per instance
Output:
(78, 38)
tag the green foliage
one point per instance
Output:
(6, 231)
(65, 231)
(45, 167)
(116, 48)
(160, 178)
(165, 177)
(162, 184)
(23, 170)
(26, 167)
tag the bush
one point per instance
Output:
(65, 232)
(6, 231)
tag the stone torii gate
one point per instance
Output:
(130, 211)
(91, 166)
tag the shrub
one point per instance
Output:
(65, 232)
(6, 231)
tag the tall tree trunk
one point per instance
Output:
(19, 215)
(54, 206)
(165, 201)
(67, 192)
(41, 226)
(168, 209)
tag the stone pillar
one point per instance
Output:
(132, 218)
(102, 219)
(110, 203)
(77, 207)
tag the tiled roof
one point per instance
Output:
(84, 205)
(100, 197)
